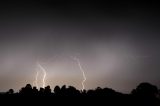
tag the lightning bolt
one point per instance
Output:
(83, 73)
(44, 75)
(36, 80)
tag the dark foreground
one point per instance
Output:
(123, 100)
(144, 95)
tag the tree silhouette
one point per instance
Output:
(35, 91)
(27, 90)
(10, 91)
(57, 90)
(146, 90)
(145, 94)
(47, 90)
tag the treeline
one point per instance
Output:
(145, 93)
(143, 89)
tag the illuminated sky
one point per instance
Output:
(116, 43)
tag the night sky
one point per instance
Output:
(117, 43)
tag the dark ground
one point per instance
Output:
(144, 95)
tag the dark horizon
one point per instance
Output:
(145, 94)
(143, 87)
(117, 43)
